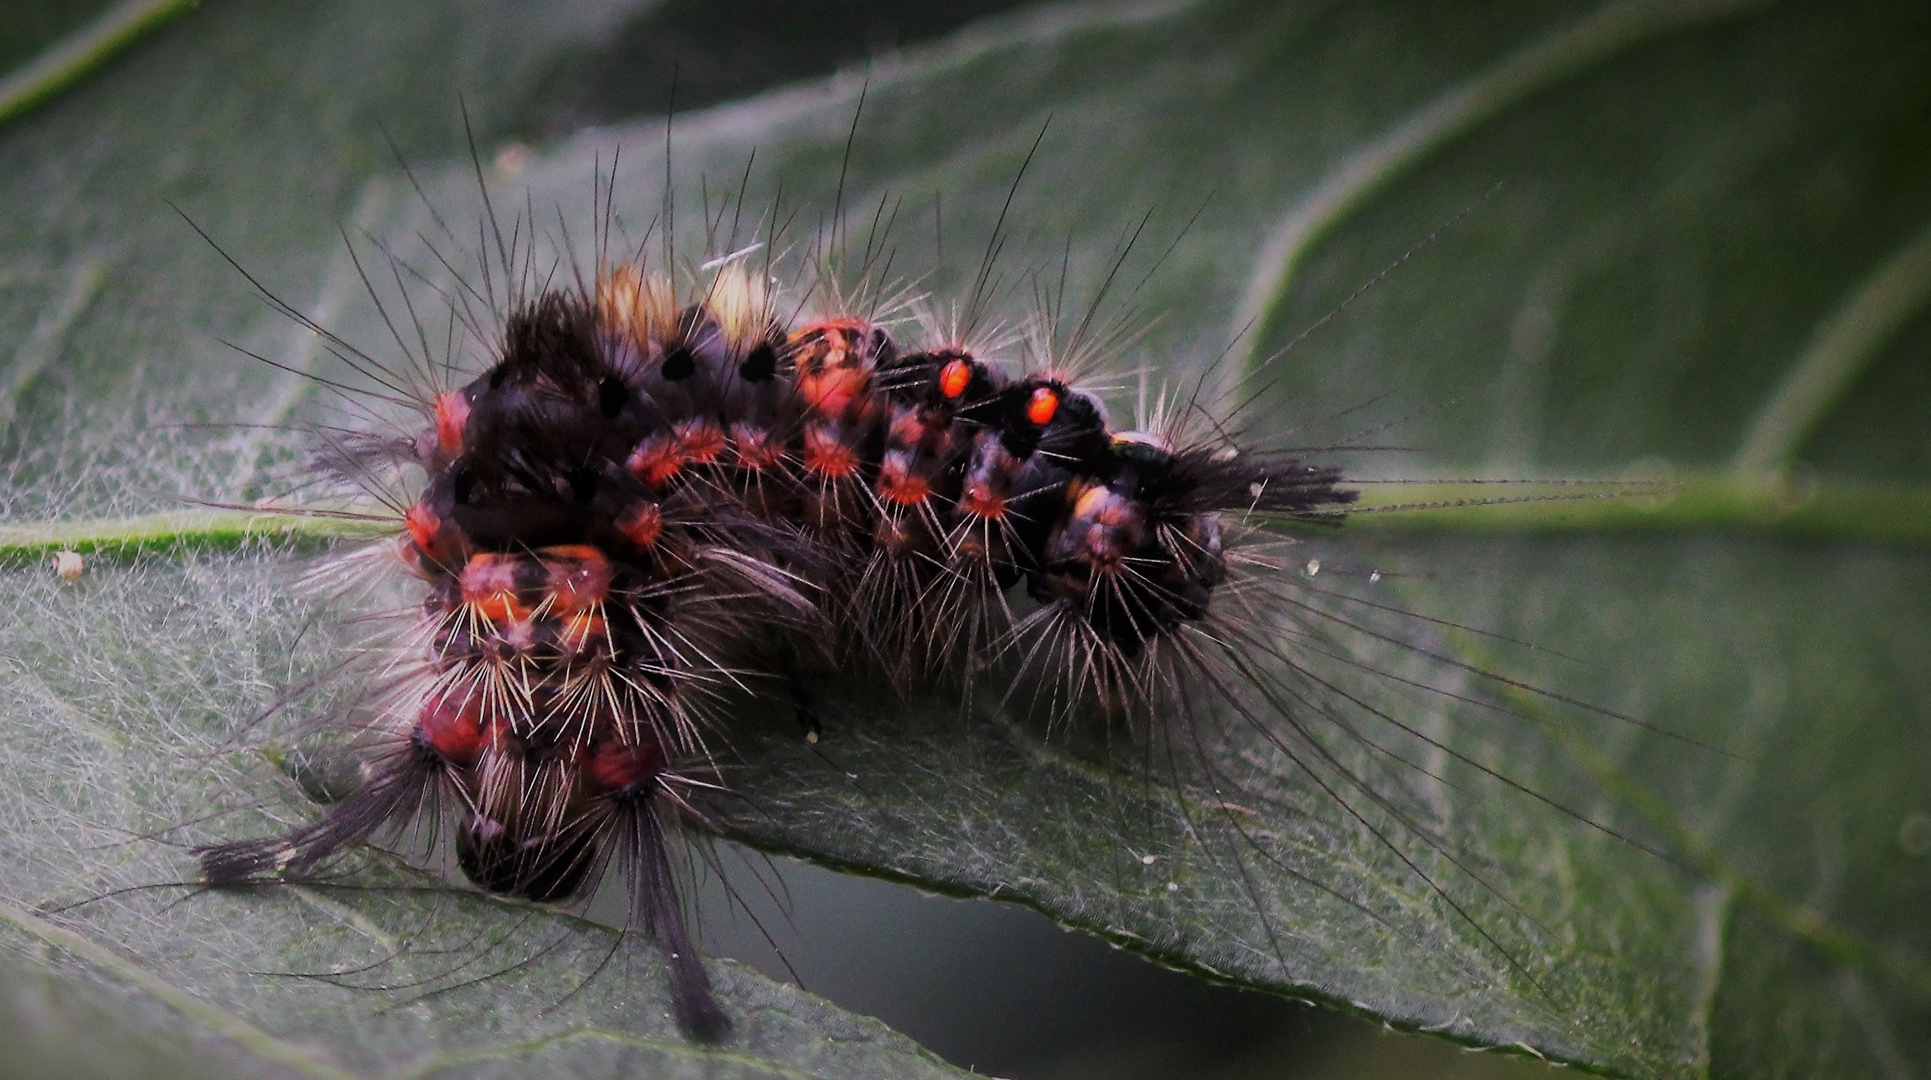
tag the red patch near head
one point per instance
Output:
(839, 330)
(617, 766)
(452, 724)
(422, 524)
(425, 530)
(837, 393)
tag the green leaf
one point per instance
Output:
(55, 44)
(1661, 259)
(126, 693)
(122, 693)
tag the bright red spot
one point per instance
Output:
(452, 724)
(954, 378)
(1043, 406)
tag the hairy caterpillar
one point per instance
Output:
(664, 482)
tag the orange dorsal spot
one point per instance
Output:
(897, 483)
(827, 455)
(701, 440)
(656, 460)
(642, 525)
(1089, 500)
(1043, 406)
(834, 371)
(954, 378)
(452, 414)
(1106, 507)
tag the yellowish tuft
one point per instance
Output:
(638, 302)
(741, 303)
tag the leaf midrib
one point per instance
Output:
(1696, 503)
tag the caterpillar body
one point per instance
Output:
(653, 492)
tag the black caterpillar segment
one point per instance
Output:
(642, 496)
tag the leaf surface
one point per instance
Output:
(1660, 258)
